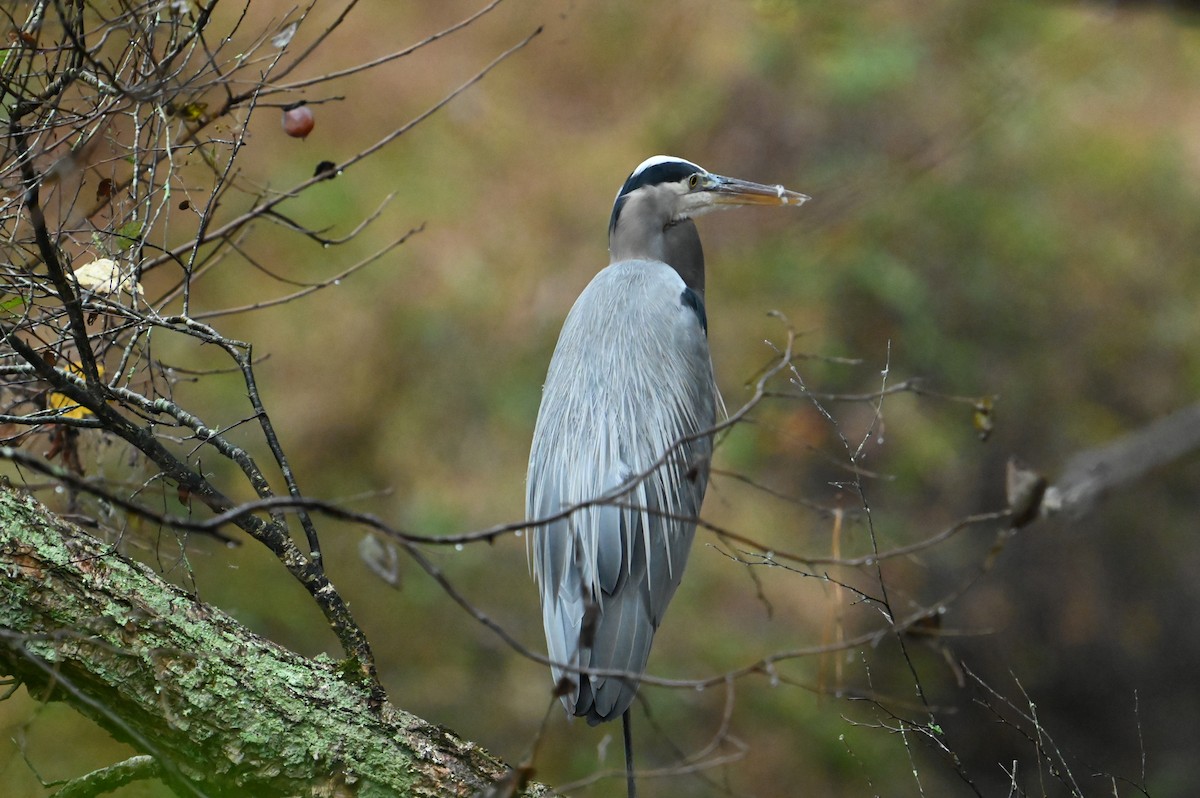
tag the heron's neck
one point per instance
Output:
(685, 255)
(678, 246)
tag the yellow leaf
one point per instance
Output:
(984, 417)
(64, 403)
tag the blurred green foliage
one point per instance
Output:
(1005, 202)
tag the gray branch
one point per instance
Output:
(1091, 474)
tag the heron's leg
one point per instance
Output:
(627, 728)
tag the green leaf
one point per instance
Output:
(129, 234)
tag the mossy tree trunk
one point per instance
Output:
(221, 711)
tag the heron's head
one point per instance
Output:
(652, 215)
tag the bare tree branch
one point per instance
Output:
(1092, 474)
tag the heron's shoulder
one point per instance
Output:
(629, 283)
(641, 271)
(642, 293)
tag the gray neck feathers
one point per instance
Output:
(637, 234)
(685, 255)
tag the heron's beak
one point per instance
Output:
(731, 191)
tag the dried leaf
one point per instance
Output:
(182, 8)
(326, 170)
(381, 557)
(1024, 489)
(103, 276)
(285, 35)
(15, 35)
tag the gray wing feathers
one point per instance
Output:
(630, 378)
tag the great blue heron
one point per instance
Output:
(623, 434)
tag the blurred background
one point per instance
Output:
(1005, 203)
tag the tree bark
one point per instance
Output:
(1095, 473)
(223, 711)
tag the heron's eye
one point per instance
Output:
(693, 181)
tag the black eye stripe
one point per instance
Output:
(659, 173)
(668, 172)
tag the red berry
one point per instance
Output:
(298, 122)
